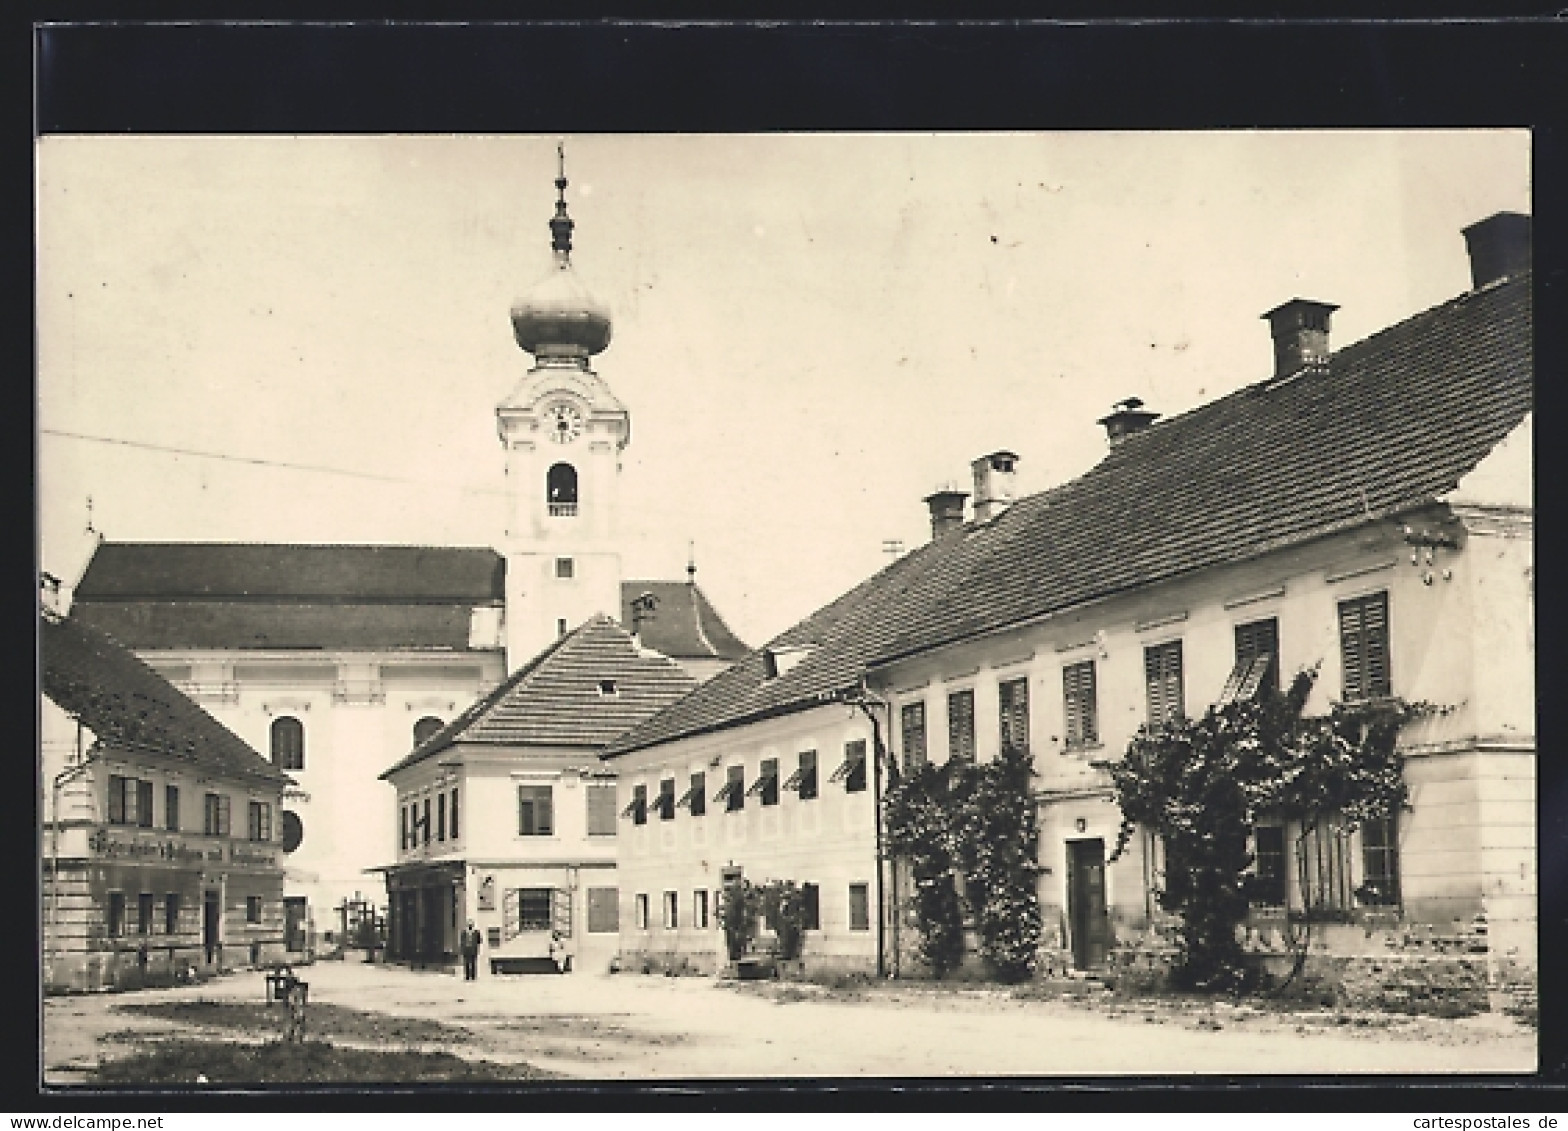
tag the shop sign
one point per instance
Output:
(103, 844)
(295, 793)
(242, 854)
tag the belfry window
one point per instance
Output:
(561, 490)
(288, 743)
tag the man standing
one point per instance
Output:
(470, 947)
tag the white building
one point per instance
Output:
(506, 818)
(337, 660)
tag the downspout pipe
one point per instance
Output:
(865, 699)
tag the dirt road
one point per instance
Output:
(640, 1027)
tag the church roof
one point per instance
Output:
(223, 595)
(584, 690)
(1388, 423)
(130, 707)
(683, 625)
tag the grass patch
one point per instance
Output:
(321, 1020)
(308, 1062)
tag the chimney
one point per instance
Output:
(1125, 419)
(1499, 247)
(993, 484)
(947, 511)
(1300, 332)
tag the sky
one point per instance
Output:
(811, 331)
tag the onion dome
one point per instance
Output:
(558, 318)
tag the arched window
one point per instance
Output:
(561, 490)
(425, 727)
(288, 743)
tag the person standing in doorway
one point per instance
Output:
(470, 947)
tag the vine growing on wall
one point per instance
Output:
(1202, 784)
(976, 824)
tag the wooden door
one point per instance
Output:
(1088, 920)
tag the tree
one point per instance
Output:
(1202, 784)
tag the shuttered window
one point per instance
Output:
(215, 814)
(1162, 678)
(601, 808)
(767, 784)
(912, 725)
(666, 801)
(1079, 705)
(171, 807)
(1363, 646)
(734, 788)
(696, 796)
(961, 726)
(1013, 715)
(1257, 662)
(637, 807)
(604, 911)
(454, 810)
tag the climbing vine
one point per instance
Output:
(1202, 784)
(974, 823)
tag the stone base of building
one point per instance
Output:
(154, 966)
(711, 963)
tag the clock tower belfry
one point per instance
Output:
(563, 431)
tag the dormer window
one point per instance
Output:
(561, 490)
(779, 660)
(608, 688)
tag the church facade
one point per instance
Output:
(338, 660)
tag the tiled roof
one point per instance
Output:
(684, 625)
(128, 706)
(230, 624)
(555, 699)
(1388, 423)
(236, 571)
(166, 595)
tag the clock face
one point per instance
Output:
(564, 422)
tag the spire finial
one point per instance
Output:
(90, 528)
(561, 225)
(691, 562)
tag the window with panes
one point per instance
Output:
(144, 906)
(640, 908)
(912, 732)
(215, 814)
(859, 907)
(1268, 866)
(1012, 698)
(1163, 681)
(171, 807)
(1079, 705)
(535, 810)
(258, 821)
(961, 725)
(672, 918)
(1364, 648)
(699, 909)
(253, 909)
(1380, 862)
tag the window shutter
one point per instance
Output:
(116, 799)
(1350, 650)
(224, 814)
(1374, 627)
(144, 803)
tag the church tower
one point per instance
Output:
(563, 431)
